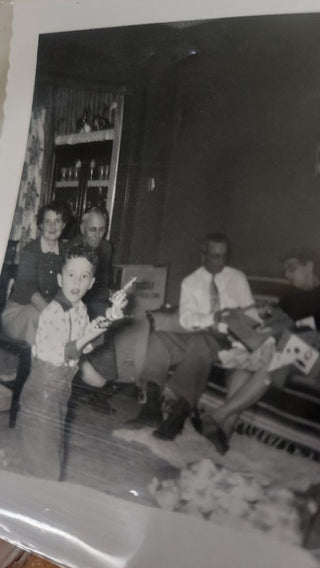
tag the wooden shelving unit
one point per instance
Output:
(85, 167)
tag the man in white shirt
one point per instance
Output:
(204, 293)
(195, 308)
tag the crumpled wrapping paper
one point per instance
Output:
(232, 499)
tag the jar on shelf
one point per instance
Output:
(77, 168)
(102, 171)
(92, 169)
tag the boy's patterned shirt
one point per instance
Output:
(59, 327)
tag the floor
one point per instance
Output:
(95, 458)
(126, 467)
(104, 454)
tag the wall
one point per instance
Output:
(245, 128)
(134, 58)
(148, 195)
(224, 116)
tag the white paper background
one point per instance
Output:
(79, 526)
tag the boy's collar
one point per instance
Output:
(63, 301)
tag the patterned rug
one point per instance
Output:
(246, 455)
(276, 475)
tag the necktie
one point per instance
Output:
(214, 296)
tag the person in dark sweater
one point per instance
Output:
(36, 282)
(303, 300)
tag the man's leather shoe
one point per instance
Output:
(218, 441)
(196, 421)
(150, 413)
(148, 416)
(173, 424)
(216, 435)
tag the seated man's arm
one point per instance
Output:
(97, 299)
(190, 316)
(246, 299)
(107, 262)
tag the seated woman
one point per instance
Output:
(36, 281)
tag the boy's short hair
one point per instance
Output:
(81, 251)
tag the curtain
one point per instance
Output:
(24, 227)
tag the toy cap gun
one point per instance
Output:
(120, 295)
(118, 302)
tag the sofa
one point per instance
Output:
(287, 418)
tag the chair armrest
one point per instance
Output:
(9, 288)
(161, 320)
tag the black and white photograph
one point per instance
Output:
(160, 290)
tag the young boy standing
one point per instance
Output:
(64, 332)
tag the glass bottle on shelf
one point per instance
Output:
(70, 173)
(102, 171)
(92, 169)
(77, 168)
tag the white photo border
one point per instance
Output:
(44, 527)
